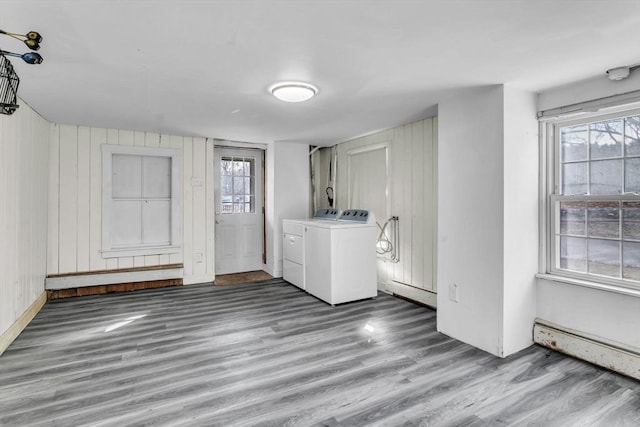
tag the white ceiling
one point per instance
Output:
(202, 68)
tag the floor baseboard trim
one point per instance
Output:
(18, 326)
(412, 293)
(85, 279)
(111, 288)
(587, 348)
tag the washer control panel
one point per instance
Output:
(357, 215)
(327, 214)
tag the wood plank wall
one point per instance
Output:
(412, 194)
(75, 201)
(23, 212)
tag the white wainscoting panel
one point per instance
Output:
(410, 195)
(24, 156)
(75, 201)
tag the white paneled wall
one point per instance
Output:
(411, 172)
(75, 201)
(23, 212)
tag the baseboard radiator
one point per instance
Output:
(613, 356)
(419, 295)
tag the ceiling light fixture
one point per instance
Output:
(293, 91)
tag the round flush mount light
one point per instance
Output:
(293, 91)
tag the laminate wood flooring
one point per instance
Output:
(246, 277)
(268, 354)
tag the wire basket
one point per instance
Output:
(9, 82)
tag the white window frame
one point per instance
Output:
(252, 184)
(175, 244)
(550, 123)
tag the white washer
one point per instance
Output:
(333, 255)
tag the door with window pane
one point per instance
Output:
(238, 195)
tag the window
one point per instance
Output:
(141, 194)
(594, 198)
(237, 185)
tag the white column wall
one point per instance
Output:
(470, 217)
(287, 194)
(520, 218)
(24, 148)
(487, 217)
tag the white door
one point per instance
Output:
(239, 213)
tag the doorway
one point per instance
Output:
(239, 213)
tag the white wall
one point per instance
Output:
(287, 195)
(520, 218)
(75, 201)
(411, 196)
(23, 211)
(604, 314)
(487, 245)
(587, 90)
(470, 217)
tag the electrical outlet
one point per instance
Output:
(198, 257)
(453, 292)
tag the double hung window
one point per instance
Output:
(594, 198)
(141, 201)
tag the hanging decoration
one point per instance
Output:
(9, 80)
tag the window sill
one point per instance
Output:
(593, 285)
(152, 250)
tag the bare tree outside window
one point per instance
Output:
(237, 185)
(598, 200)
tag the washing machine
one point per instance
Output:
(332, 256)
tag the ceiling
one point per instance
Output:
(202, 68)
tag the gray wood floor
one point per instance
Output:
(269, 354)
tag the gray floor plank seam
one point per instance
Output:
(268, 354)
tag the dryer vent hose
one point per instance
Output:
(389, 245)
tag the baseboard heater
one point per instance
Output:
(107, 281)
(419, 295)
(613, 356)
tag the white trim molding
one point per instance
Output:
(107, 278)
(18, 326)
